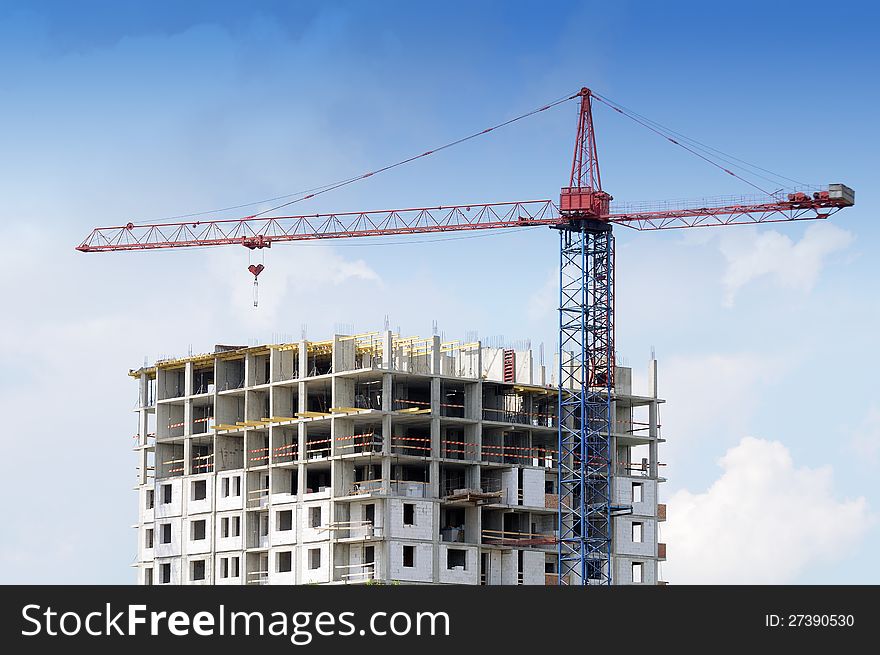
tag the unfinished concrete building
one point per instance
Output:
(373, 458)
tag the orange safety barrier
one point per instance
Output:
(365, 440)
(288, 451)
(518, 413)
(408, 447)
(310, 444)
(259, 450)
(174, 461)
(355, 436)
(529, 448)
(206, 465)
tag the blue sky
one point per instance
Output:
(765, 336)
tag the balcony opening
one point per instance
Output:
(368, 394)
(286, 445)
(508, 403)
(230, 374)
(317, 479)
(202, 456)
(409, 480)
(452, 524)
(318, 440)
(319, 360)
(452, 399)
(203, 380)
(173, 383)
(411, 396)
(257, 442)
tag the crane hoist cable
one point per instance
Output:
(644, 122)
(720, 154)
(318, 190)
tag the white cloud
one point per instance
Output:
(764, 521)
(866, 439)
(792, 265)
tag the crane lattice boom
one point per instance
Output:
(261, 232)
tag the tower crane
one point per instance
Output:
(584, 219)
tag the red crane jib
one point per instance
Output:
(261, 232)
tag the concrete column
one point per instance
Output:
(434, 466)
(303, 355)
(300, 485)
(187, 389)
(386, 408)
(387, 353)
(303, 359)
(653, 419)
(249, 376)
(343, 355)
(435, 543)
(435, 355)
(187, 426)
(187, 456)
(143, 424)
(142, 475)
(384, 551)
(653, 469)
(434, 486)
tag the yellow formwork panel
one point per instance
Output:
(345, 410)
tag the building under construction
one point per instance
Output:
(374, 458)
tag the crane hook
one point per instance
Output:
(256, 269)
